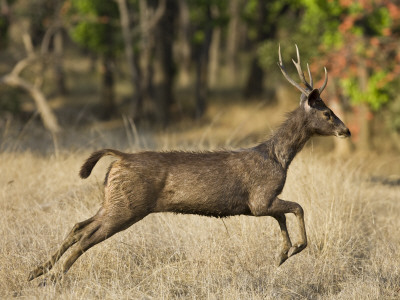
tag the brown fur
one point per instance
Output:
(219, 183)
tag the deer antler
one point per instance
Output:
(309, 86)
(325, 82)
(300, 71)
(294, 83)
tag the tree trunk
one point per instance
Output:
(364, 142)
(232, 39)
(58, 63)
(255, 82)
(342, 146)
(137, 97)
(165, 38)
(214, 50)
(202, 67)
(150, 14)
(183, 43)
(4, 23)
(107, 88)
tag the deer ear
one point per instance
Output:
(313, 97)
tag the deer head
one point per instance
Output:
(321, 119)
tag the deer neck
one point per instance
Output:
(289, 138)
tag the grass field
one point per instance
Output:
(352, 211)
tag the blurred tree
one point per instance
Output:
(215, 46)
(204, 22)
(14, 79)
(233, 35)
(165, 35)
(40, 14)
(131, 57)
(4, 23)
(360, 44)
(41, 20)
(141, 23)
(183, 42)
(95, 26)
(58, 43)
(263, 19)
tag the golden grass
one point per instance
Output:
(352, 228)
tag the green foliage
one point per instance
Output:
(200, 20)
(321, 18)
(378, 21)
(273, 19)
(332, 20)
(95, 25)
(375, 95)
(267, 53)
(351, 31)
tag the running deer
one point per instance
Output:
(216, 183)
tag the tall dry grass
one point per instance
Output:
(352, 225)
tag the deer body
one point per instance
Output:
(219, 183)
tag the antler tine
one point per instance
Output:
(300, 71)
(309, 76)
(281, 66)
(325, 82)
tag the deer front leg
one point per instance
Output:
(279, 206)
(286, 243)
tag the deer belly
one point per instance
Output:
(204, 200)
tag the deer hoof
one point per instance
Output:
(35, 273)
(52, 279)
(296, 249)
(282, 258)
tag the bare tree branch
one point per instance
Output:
(13, 79)
(149, 20)
(22, 64)
(26, 39)
(44, 47)
(47, 115)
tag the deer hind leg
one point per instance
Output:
(73, 237)
(105, 229)
(286, 243)
(100, 229)
(281, 207)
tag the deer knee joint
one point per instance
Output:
(298, 210)
(75, 228)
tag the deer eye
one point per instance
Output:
(327, 115)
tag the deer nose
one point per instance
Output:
(344, 133)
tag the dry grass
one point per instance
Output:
(352, 226)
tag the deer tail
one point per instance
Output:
(89, 164)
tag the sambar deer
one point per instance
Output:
(216, 183)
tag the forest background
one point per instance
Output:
(134, 75)
(156, 64)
